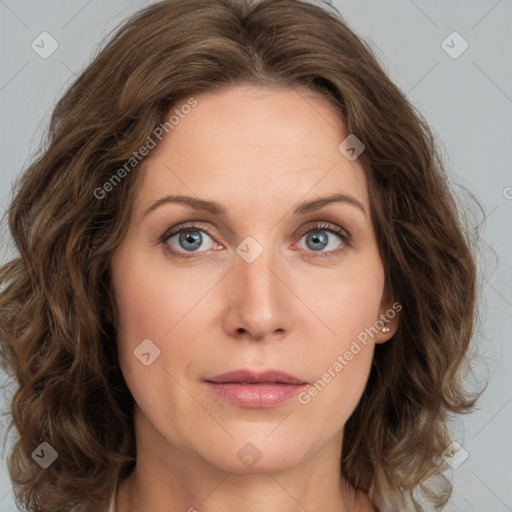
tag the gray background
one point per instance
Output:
(467, 100)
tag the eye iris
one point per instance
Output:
(320, 239)
(192, 240)
(191, 237)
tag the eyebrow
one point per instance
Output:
(219, 209)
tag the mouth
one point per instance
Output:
(257, 390)
(253, 377)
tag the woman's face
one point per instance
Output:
(283, 279)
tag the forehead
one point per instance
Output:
(256, 145)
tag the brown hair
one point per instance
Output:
(57, 310)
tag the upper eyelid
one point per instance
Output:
(181, 227)
(319, 224)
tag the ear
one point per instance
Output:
(388, 320)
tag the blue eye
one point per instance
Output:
(323, 239)
(190, 239)
(317, 240)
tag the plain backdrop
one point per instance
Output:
(466, 96)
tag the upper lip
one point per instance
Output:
(254, 377)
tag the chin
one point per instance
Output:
(257, 455)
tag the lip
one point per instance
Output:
(251, 389)
(254, 377)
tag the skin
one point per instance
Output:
(258, 151)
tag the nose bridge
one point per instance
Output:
(262, 302)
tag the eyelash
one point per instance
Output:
(319, 226)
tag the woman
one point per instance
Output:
(242, 282)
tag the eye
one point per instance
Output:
(326, 238)
(189, 239)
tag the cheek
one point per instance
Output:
(150, 301)
(348, 306)
(341, 362)
(347, 301)
(154, 305)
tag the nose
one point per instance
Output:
(259, 302)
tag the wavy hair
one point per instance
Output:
(57, 309)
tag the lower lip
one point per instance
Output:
(256, 396)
